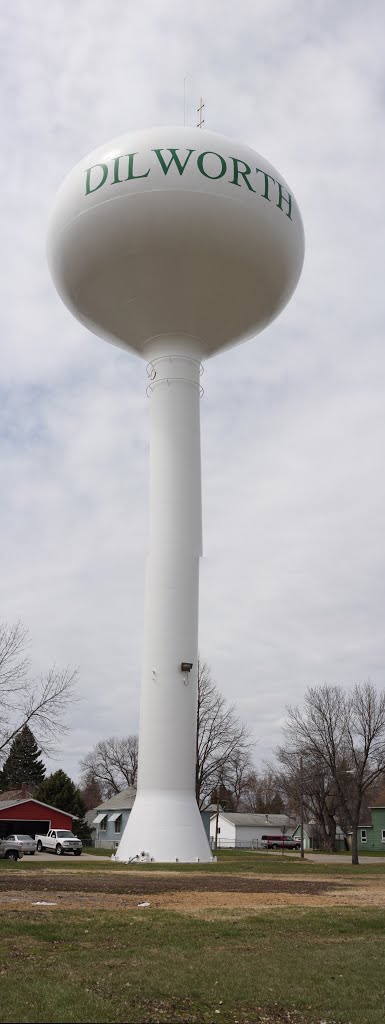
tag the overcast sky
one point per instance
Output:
(293, 425)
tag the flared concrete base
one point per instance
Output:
(164, 827)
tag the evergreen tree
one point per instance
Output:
(59, 791)
(23, 763)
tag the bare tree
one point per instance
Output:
(261, 793)
(344, 733)
(223, 741)
(312, 786)
(113, 763)
(26, 700)
(239, 774)
(223, 750)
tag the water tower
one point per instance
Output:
(174, 243)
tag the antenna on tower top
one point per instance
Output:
(184, 98)
(201, 119)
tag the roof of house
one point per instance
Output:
(239, 818)
(122, 801)
(16, 794)
(15, 803)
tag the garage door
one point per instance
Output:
(27, 828)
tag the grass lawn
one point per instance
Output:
(98, 851)
(148, 966)
(138, 965)
(229, 861)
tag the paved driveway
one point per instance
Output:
(65, 857)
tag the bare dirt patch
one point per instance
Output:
(204, 895)
(162, 882)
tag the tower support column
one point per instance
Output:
(165, 822)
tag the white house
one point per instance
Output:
(237, 829)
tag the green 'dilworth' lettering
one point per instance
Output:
(285, 199)
(97, 174)
(130, 157)
(281, 190)
(116, 178)
(104, 170)
(174, 159)
(267, 178)
(200, 160)
(131, 168)
(238, 173)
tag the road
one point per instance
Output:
(328, 858)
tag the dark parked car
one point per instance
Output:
(281, 843)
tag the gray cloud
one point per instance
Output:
(292, 586)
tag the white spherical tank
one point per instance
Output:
(175, 244)
(175, 232)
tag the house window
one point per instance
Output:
(363, 835)
(103, 824)
(383, 836)
(118, 824)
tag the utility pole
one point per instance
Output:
(217, 814)
(301, 784)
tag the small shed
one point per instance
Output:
(237, 829)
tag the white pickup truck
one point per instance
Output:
(59, 840)
(10, 850)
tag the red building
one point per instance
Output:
(28, 816)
